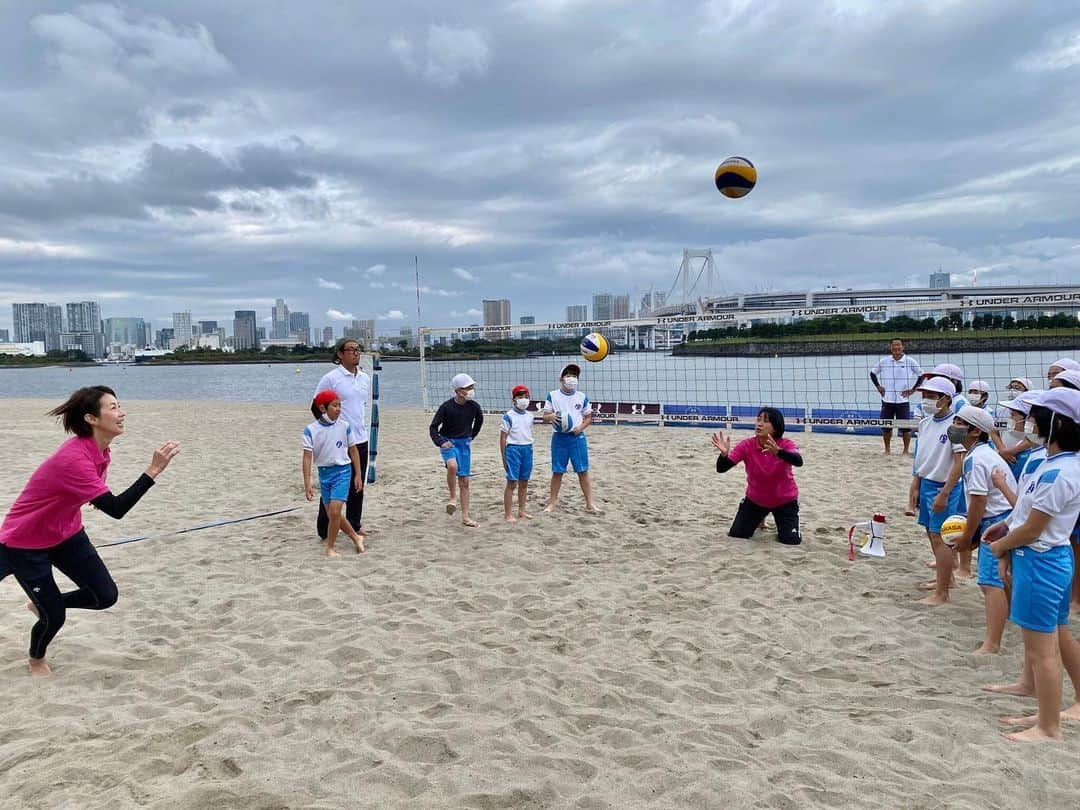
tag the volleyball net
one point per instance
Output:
(717, 369)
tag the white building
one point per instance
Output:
(34, 348)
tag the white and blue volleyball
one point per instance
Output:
(564, 422)
(594, 347)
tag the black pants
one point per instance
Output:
(78, 560)
(750, 515)
(354, 507)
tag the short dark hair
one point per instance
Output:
(774, 418)
(1042, 415)
(315, 410)
(1066, 433)
(341, 344)
(83, 402)
(896, 340)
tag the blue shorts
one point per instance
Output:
(519, 462)
(928, 490)
(1042, 586)
(460, 453)
(570, 447)
(334, 482)
(988, 563)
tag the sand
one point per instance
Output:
(639, 658)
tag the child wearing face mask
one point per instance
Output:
(934, 456)
(571, 447)
(978, 394)
(987, 504)
(516, 446)
(1018, 445)
(456, 424)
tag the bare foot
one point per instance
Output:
(451, 507)
(592, 510)
(909, 512)
(32, 608)
(931, 564)
(986, 649)
(1071, 714)
(964, 574)
(1019, 689)
(510, 519)
(39, 668)
(358, 543)
(549, 509)
(1033, 734)
(932, 585)
(524, 516)
(470, 523)
(933, 600)
(331, 553)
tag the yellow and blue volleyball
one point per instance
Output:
(736, 177)
(594, 347)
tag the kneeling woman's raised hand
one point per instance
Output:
(722, 444)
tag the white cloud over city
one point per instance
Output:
(212, 156)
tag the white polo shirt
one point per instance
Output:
(517, 426)
(979, 465)
(354, 391)
(1054, 489)
(329, 443)
(934, 451)
(896, 376)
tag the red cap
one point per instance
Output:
(519, 389)
(324, 398)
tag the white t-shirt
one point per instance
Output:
(896, 376)
(517, 426)
(330, 443)
(1053, 489)
(1034, 460)
(576, 404)
(354, 391)
(979, 464)
(934, 451)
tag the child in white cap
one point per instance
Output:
(987, 504)
(978, 394)
(569, 447)
(455, 425)
(1033, 550)
(932, 495)
(1058, 366)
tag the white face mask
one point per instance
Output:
(1013, 436)
(1011, 394)
(1032, 435)
(569, 382)
(977, 399)
(470, 394)
(521, 403)
(929, 407)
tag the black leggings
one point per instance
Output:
(354, 506)
(76, 559)
(751, 514)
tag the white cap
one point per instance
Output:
(938, 385)
(953, 372)
(976, 417)
(461, 381)
(1023, 402)
(1066, 364)
(1024, 381)
(979, 385)
(1063, 401)
(1070, 376)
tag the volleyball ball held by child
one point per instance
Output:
(736, 177)
(953, 529)
(564, 422)
(594, 347)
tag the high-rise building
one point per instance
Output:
(260, 335)
(83, 316)
(182, 331)
(652, 300)
(54, 318)
(577, 312)
(328, 336)
(620, 311)
(279, 320)
(5, 336)
(245, 332)
(125, 332)
(300, 327)
(497, 312)
(28, 321)
(602, 306)
(207, 327)
(164, 338)
(527, 319)
(362, 331)
(939, 280)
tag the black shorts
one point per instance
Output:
(750, 515)
(896, 410)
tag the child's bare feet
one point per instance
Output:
(451, 507)
(39, 668)
(331, 553)
(524, 516)
(549, 508)
(510, 519)
(1071, 714)
(358, 543)
(964, 573)
(986, 649)
(469, 522)
(931, 564)
(1020, 689)
(1033, 734)
(933, 600)
(592, 510)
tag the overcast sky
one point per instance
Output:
(213, 156)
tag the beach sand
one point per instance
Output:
(639, 658)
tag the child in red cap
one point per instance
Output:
(516, 446)
(331, 443)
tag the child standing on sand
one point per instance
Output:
(516, 446)
(455, 425)
(331, 442)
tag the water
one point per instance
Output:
(830, 382)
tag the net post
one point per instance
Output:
(425, 400)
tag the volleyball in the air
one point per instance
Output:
(594, 347)
(953, 529)
(736, 177)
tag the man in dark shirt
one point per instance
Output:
(456, 424)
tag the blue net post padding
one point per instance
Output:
(373, 435)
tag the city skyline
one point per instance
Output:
(161, 159)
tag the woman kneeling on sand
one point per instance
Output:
(44, 526)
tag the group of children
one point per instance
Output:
(1020, 491)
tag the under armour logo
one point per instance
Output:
(37, 590)
(637, 410)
